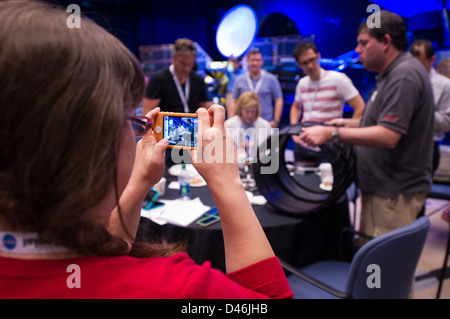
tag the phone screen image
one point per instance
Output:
(181, 131)
(208, 220)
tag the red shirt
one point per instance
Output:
(173, 277)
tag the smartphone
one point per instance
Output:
(209, 218)
(180, 129)
(212, 211)
(150, 199)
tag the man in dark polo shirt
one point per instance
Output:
(395, 136)
(177, 88)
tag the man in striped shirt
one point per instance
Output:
(321, 95)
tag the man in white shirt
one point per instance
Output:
(321, 95)
(423, 51)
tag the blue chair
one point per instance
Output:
(388, 261)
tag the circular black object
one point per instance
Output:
(288, 194)
(277, 24)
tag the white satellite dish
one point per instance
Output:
(236, 31)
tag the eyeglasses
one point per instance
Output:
(140, 124)
(304, 63)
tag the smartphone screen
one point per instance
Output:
(181, 131)
(208, 220)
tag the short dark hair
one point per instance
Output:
(254, 50)
(183, 46)
(392, 24)
(427, 44)
(302, 47)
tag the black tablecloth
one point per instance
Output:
(299, 241)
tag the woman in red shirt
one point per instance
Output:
(73, 179)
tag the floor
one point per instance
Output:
(432, 259)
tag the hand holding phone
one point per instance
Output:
(216, 158)
(149, 163)
(181, 129)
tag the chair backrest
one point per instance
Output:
(384, 267)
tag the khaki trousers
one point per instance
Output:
(380, 215)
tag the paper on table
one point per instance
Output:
(183, 212)
(154, 214)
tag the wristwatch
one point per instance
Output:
(335, 138)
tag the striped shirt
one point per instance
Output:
(324, 100)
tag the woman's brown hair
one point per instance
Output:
(63, 94)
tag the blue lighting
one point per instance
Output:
(236, 31)
(409, 8)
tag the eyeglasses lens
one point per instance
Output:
(139, 129)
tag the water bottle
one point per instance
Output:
(184, 180)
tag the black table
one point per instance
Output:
(298, 241)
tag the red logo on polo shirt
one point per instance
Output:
(391, 118)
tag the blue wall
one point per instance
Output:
(139, 22)
(144, 22)
(333, 23)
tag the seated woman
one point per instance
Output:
(73, 178)
(247, 127)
